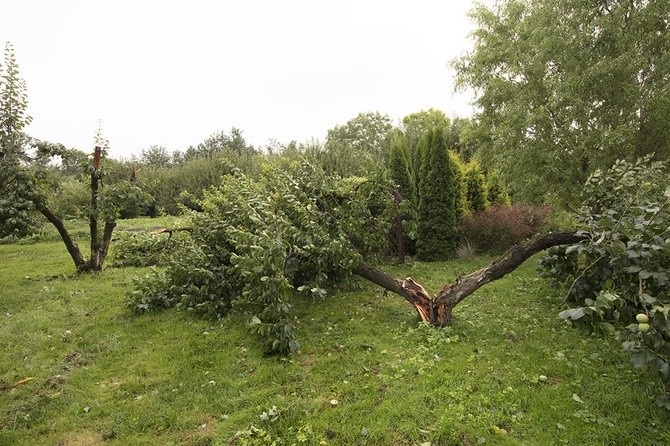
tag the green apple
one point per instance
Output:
(642, 318)
(643, 327)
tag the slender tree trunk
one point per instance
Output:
(96, 247)
(79, 261)
(106, 240)
(437, 310)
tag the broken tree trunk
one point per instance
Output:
(95, 261)
(99, 247)
(437, 309)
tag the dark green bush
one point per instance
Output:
(476, 192)
(441, 200)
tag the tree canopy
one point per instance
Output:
(364, 140)
(566, 87)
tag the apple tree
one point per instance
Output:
(617, 278)
(262, 244)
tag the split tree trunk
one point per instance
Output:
(96, 264)
(99, 247)
(437, 309)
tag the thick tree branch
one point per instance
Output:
(508, 262)
(78, 259)
(413, 293)
(93, 217)
(106, 239)
(437, 309)
(382, 279)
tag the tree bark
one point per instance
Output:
(437, 310)
(106, 240)
(79, 261)
(96, 264)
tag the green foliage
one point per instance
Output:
(71, 198)
(621, 269)
(178, 180)
(495, 192)
(221, 142)
(406, 198)
(566, 87)
(13, 107)
(399, 167)
(476, 192)
(359, 146)
(16, 202)
(258, 244)
(183, 184)
(16, 185)
(464, 137)
(156, 156)
(142, 249)
(121, 200)
(415, 126)
(100, 140)
(441, 199)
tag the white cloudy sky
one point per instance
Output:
(172, 72)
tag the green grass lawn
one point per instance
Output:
(367, 372)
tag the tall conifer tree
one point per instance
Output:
(441, 199)
(476, 190)
(399, 166)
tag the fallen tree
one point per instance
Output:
(437, 309)
(261, 243)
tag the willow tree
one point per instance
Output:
(566, 87)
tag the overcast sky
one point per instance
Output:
(173, 72)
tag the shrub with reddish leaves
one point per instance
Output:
(498, 228)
